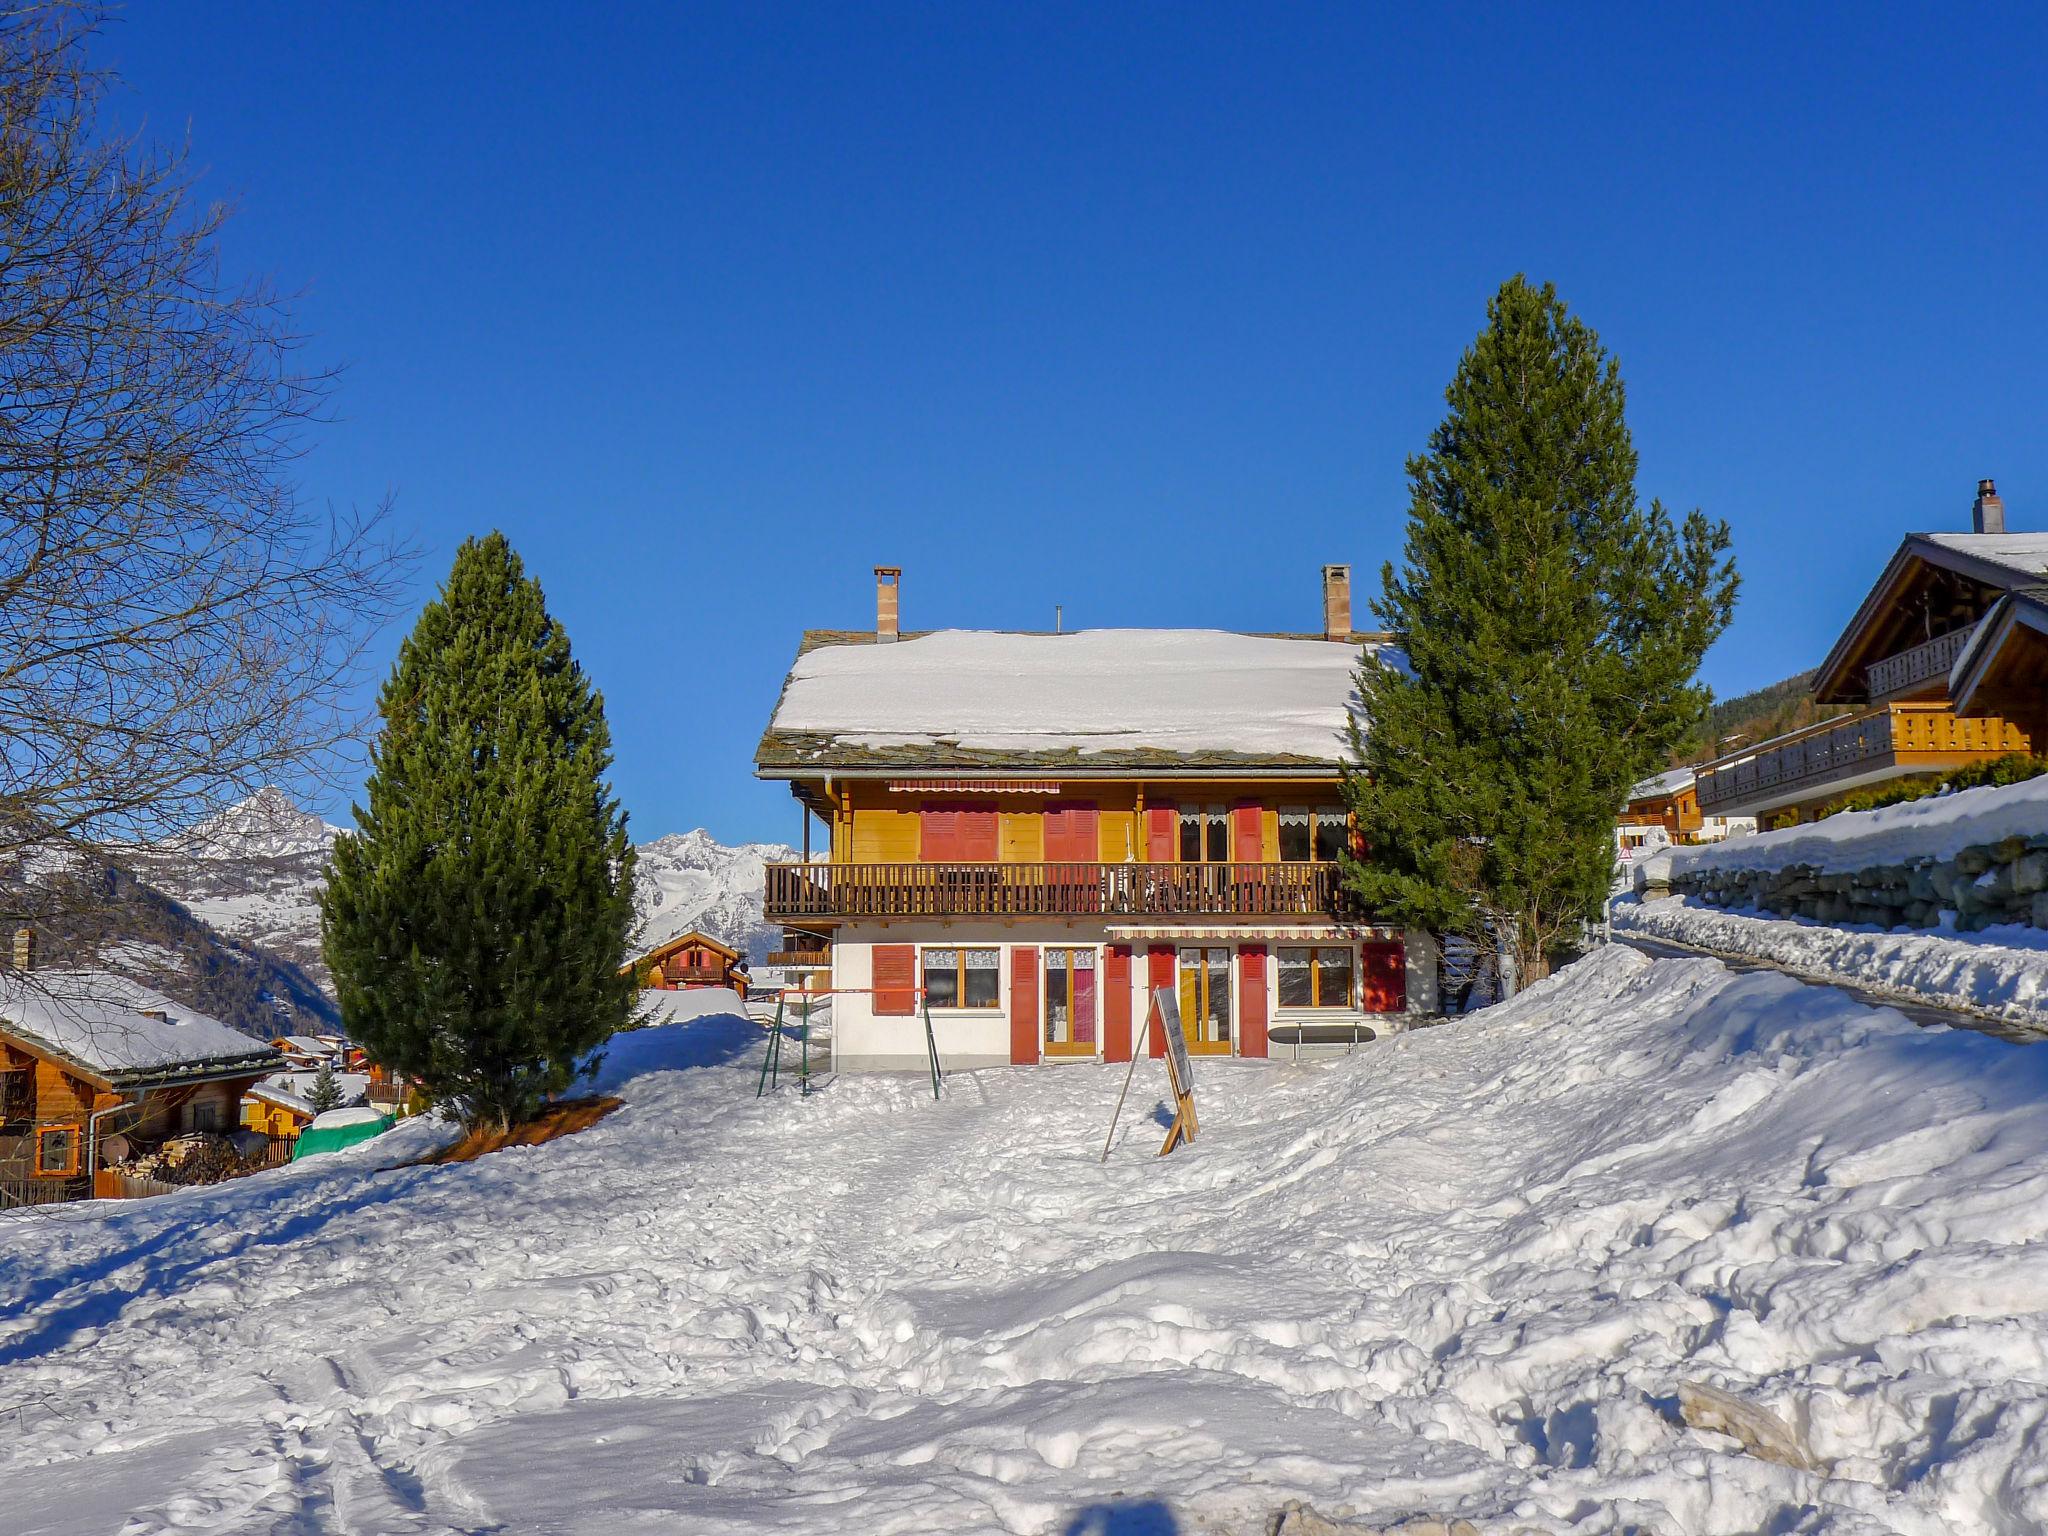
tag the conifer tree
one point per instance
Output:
(325, 1094)
(476, 919)
(1552, 630)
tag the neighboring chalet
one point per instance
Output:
(1945, 663)
(689, 961)
(1666, 809)
(281, 1105)
(1027, 832)
(94, 1067)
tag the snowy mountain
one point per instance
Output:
(689, 880)
(254, 872)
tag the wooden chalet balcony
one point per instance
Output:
(1836, 755)
(1923, 664)
(813, 892)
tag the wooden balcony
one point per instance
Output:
(1925, 666)
(825, 892)
(1834, 756)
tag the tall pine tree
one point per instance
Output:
(1553, 630)
(476, 919)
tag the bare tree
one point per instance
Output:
(177, 626)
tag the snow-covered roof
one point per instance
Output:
(105, 1024)
(309, 1045)
(361, 1114)
(1173, 697)
(294, 1090)
(2025, 554)
(1663, 785)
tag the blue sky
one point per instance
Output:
(1134, 309)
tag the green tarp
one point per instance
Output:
(317, 1138)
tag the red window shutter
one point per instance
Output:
(1023, 1005)
(1158, 973)
(1251, 1029)
(1162, 830)
(976, 838)
(1116, 1003)
(1250, 833)
(1071, 834)
(938, 836)
(895, 979)
(1383, 973)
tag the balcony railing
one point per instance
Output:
(1921, 664)
(811, 891)
(1805, 763)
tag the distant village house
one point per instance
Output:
(690, 961)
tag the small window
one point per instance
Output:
(1204, 835)
(1312, 833)
(57, 1151)
(962, 978)
(206, 1117)
(1316, 976)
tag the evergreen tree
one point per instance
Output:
(476, 919)
(325, 1094)
(1552, 630)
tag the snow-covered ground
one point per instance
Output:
(1464, 1271)
(2002, 971)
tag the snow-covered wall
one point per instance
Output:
(1939, 827)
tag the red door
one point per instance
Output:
(1251, 964)
(1383, 975)
(1116, 1003)
(1158, 973)
(1023, 1005)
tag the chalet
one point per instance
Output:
(94, 1066)
(309, 1051)
(689, 961)
(1024, 833)
(1944, 663)
(1666, 809)
(281, 1105)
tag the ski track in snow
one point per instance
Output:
(1462, 1271)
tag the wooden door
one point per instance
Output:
(1070, 1001)
(1205, 999)
(1383, 975)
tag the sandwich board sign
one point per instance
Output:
(1165, 1013)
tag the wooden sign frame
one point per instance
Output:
(1180, 1071)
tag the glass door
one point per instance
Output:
(1069, 1002)
(1205, 1000)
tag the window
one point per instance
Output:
(1070, 1002)
(1316, 976)
(1312, 832)
(961, 978)
(57, 1151)
(206, 1116)
(1205, 1000)
(1204, 835)
(17, 1095)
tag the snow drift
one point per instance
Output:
(1466, 1271)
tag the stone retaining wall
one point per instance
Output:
(1983, 885)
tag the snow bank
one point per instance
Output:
(1098, 690)
(1939, 827)
(2001, 971)
(1465, 1271)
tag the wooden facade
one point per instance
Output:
(1930, 612)
(692, 960)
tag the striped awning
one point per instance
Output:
(974, 786)
(1322, 932)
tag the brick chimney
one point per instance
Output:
(1988, 514)
(886, 615)
(1336, 602)
(24, 949)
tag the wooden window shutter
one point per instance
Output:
(1251, 965)
(1070, 834)
(1023, 1005)
(895, 979)
(1248, 830)
(938, 836)
(1384, 971)
(1158, 973)
(1162, 831)
(1116, 1003)
(976, 839)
